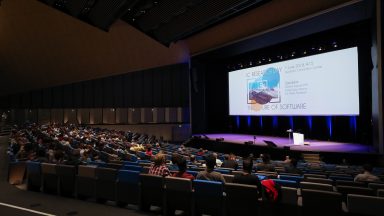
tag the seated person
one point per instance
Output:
(246, 176)
(266, 165)
(182, 164)
(230, 162)
(174, 161)
(208, 174)
(148, 152)
(159, 167)
(292, 167)
(366, 175)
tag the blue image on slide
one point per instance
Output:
(273, 77)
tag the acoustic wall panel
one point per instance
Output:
(57, 116)
(121, 116)
(83, 115)
(44, 116)
(95, 116)
(109, 116)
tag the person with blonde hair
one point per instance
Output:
(159, 168)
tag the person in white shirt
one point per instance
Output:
(366, 176)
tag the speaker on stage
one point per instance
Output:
(270, 144)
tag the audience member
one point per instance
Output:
(209, 173)
(292, 167)
(246, 176)
(266, 165)
(159, 167)
(230, 162)
(366, 176)
(182, 173)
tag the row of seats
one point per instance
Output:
(130, 186)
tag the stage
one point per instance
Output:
(281, 142)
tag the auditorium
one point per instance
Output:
(193, 107)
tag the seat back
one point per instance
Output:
(349, 183)
(16, 172)
(208, 197)
(341, 177)
(66, 175)
(128, 187)
(297, 179)
(133, 167)
(316, 186)
(178, 194)
(105, 183)
(354, 190)
(33, 175)
(319, 180)
(228, 178)
(286, 183)
(86, 181)
(365, 205)
(152, 190)
(50, 178)
(323, 176)
(241, 199)
(289, 196)
(376, 186)
(86, 171)
(380, 192)
(321, 202)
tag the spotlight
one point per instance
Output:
(334, 44)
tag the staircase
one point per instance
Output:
(311, 158)
(5, 130)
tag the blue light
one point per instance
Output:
(249, 121)
(329, 125)
(274, 122)
(309, 121)
(291, 122)
(238, 121)
(261, 122)
(352, 124)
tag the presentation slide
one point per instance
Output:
(322, 84)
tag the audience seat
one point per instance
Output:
(133, 167)
(85, 181)
(33, 176)
(376, 186)
(16, 172)
(316, 202)
(241, 199)
(105, 184)
(380, 192)
(178, 195)
(297, 179)
(67, 178)
(152, 191)
(286, 183)
(288, 201)
(323, 176)
(49, 177)
(228, 178)
(344, 190)
(316, 186)
(349, 183)
(208, 197)
(365, 205)
(319, 180)
(128, 187)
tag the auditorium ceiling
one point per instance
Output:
(47, 43)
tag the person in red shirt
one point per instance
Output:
(148, 152)
(182, 164)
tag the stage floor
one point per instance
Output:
(281, 142)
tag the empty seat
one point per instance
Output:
(33, 175)
(66, 175)
(241, 199)
(315, 175)
(178, 195)
(291, 178)
(128, 187)
(85, 181)
(50, 178)
(152, 191)
(105, 184)
(286, 183)
(376, 186)
(208, 197)
(354, 190)
(365, 205)
(316, 186)
(316, 202)
(349, 183)
(288, 201)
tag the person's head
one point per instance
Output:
(192, 158)
(159, 159)
(182, 164)
(247, 165)
(210, 161)
(287, 157)
(266, 158)
(226, 157)
(367, 167)
(175, 158)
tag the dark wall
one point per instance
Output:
(166, 86)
